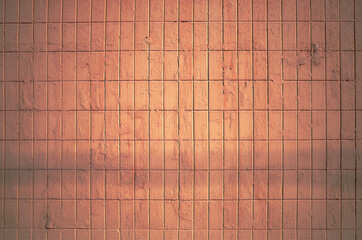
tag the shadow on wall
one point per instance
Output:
(59, 189)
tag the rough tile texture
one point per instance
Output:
(181, 119)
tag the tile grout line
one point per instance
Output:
(90, 121)
(193, 84)
(170, 80)
(283, 121)
(253, 108)
(119, 168)
(297, 124)
(175, 140)
(3, 121)
(311, 208)
(171, 169)
(355, 119)
(178, 120)
(104, 147)
(326, 116)
(169, 50)
(3, 126)
(208, 109)
(76, 116)
(156, 199)
(238, 163)
(18, 112)
(189, 110)
(163, 121)
(149, 121)
(46, 114)
(268, 119)
(61, 111)
(223, 117)
(172, 21)
(134, 118)
(340, 119)
(33, 127)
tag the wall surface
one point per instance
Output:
(181, 119)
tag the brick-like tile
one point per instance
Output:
(180, 119)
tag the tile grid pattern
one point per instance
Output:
(181, 119)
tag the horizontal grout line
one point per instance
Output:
(183, 21)
(183, 170)
(178, 230)
(180, 110)
(183, 139)
(189, 200)
(276, 81)
(202, 49)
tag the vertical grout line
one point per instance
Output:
(283, 106)
(76, 112)
(238, 122)
(61, 110)
(193, 83)
(91, 113)
(268, 118)
(105, 138)
(311, 117)
(178, 117)
(119, 169)
(149, 123)
(253, 107)
(355, 118)
(355, 115)
(134, 118)
(340, 118)
(326, 116)
(223, 116)
(297, 121)
(33, 125)
(3, 121)
(163, 118)
(311, 168)
(47, 97)
(208, 109)
(19, 111)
